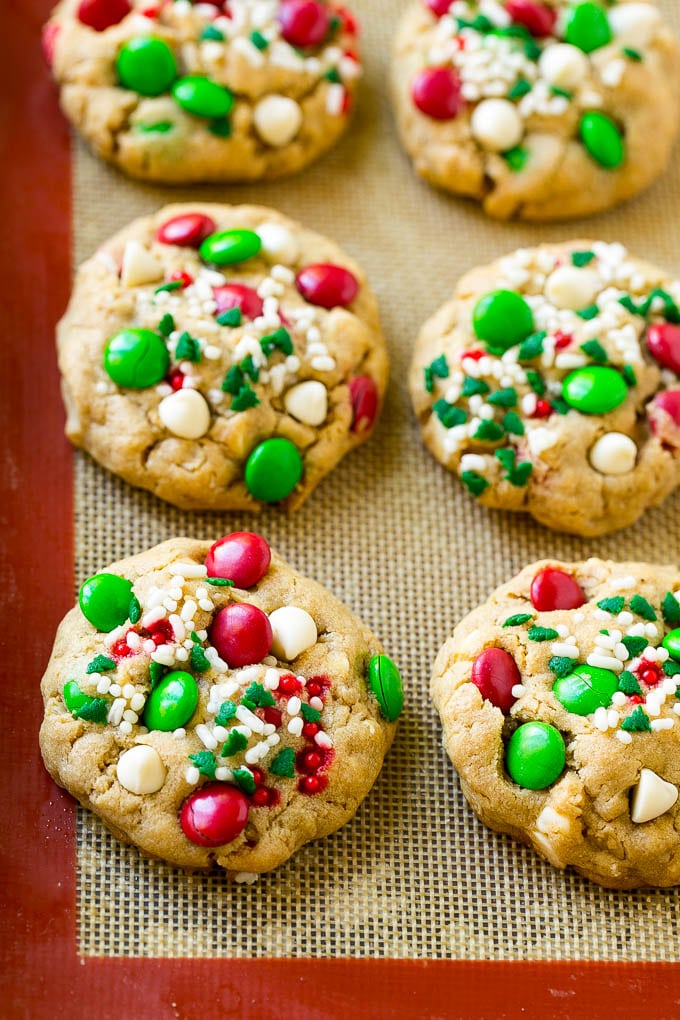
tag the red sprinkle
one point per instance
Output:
(349, 23)
(539, 19)
(309, 761)
(542, 410)
(188, 230)
(312, 784)
(151, 12)
(120, 649)
(258, 775)
(649, 673)
(562, 340)
(317, 686)
(176, 379)
(310, 730)
(260, 798)
(363, 393)
(102, 14)
(663, 343)
(237, 295)
(438, 7)
(636, 699)
(327, 285)
(289, 685)
(436, 91)
(304, 22)
(554, 589)
(272, 716)
(473, 355)
(186, 279)
(161, 632)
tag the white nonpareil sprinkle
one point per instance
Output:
(164, 654)
(564, 650)
(540, 439)
(295, 725)
(518, 690)
(115, 714)
(192, 775)
(624, 737)
(178, 627)
(335, 99)
(662, 724)
(126, 727)
(316, 703)
(103, 685)
(249, 719)
(321, 739)
(182, 655)
(619, 698)
(115, 690)
(246, 877)
(473, 462)
(293, 706)
(206, 737)
(620, 583)
(600, 719)
(605, 662)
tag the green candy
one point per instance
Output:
(503, 319)
(595, 389)
(385, 683)
(172, 702)
(146, 65)
(587, 27)
(82, 706)
(535, 755)
(104, 600)
(74, 698)
(602, 139)
(202, 97)
(585, 689)
(273, 470)
(230, 246)
(672, 643)
(136, 358)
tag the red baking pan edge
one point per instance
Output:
(42, 974)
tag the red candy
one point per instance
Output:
(436, 91)
(304, 22)
(495, 673)
(327, 285)
(539, 19)
(243, 557)
(664, 417)
(176, 379)
(179, 276)
(349, 22)
(289, 684)
(543, 409)
(438, 7)
(553, 589)
(261, 797)
(273, 716)
(562, 340)
(663, 342)
(312, 784)
(242, 634)
(49, 39)
(237, 295)
(188, 230)
(215, 814)
(363, 393)
(101, 14)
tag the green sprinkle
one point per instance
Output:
(232, 317)
(235, 742)
(628, 683)
(519, 89)
(561, 665)
(258, 40)
(332, 74)
(474, 482)
(257, 697)
(233, 380)
(671, 668)
(635, 645)
(135, 610)
(221, 127)
(629, 375)
(582, 258)
(448, 414)
(588, 313)
(670, 607)
(199, 661)
(518, 619)
(612, 605)
(167, 324)
(542, 634)
(520, 475)
(557, 91)
(227, 711)
(205, 762)
(506, 397)
(474, 387)
(632, 54)
(243, 778)
(507, 456)
(439, 368)
(559, 405)
(93, 710)
(637, 722)
(220, 582)
(171, 285)
(513, 424)
(161, 127)
(595, 350)
(249, 368)
(641, 607)
(245, 398)
(516, 158)
(308, 713)
(284, 763)
(480, 23)
(156, 672)
(630, 305)
(187, 349)
(532, 346)
(536, 382)
(279, 340)
(102, 664)
(211, 33)
(488, 432)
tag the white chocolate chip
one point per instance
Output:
(571, 287)
(652, 797)
(564, 65)
(141, 770)
(634, 23)
(185, 413)
(497, 125)
(613, 454)
(278, 243)
(277, 119)
(139, 266)
(293, 630)
(308, 402)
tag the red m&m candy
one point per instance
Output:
(495, 673)
(243, 557)
(187, 230)
(438, 7)
(555, 589)
(101, 14)
(363, 393)
(242, 634)
(663, 342)
(664, 417)
(215, 814)
(237, 295)
(304, 22)
(49, 40)
(327, 285)
(436, 91)
(539, 19)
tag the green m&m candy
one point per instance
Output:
(535, 755)
(82, 706)
(229, 246)
(587, 27)
(104, 600)
(385, 683)
(172, 702)
(202, 97)
(273, 470)
(672, 643)
(586, 689)
(595, 389)
(503, 319)
(146, 65)
(602, 139)
(136, 358)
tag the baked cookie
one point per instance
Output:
(221, 356)
(560, 713)
(538, 110)
(181, 92)
(550, 383)
(212, 705)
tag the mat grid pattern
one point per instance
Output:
(395, 537)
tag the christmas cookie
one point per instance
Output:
(559, 699)
(550, 383)
(221, 356)
(212, 705)
(180, 92)
(537, 110)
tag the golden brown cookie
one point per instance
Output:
(214, 706)
(559, 707)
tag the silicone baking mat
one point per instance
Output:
(414, 876)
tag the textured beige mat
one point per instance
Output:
(391, 533)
